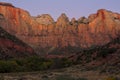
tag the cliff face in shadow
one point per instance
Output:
(11, 47)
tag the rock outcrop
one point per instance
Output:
(62, 21)
(45, 35)
(83, 20)
(6, 4)
(45, 19)
(74, 22)
(11, 47)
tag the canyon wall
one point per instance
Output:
(42, 32)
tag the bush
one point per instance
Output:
(111, 78)
(82, 79)
(66, 62)
(65, 77)
(104, 52)
(63, 62)
(27, 64)
(32, 64)
(37, 63)
(8, 66)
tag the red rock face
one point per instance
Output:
(6, 43)
(11, 47)
(98, 29)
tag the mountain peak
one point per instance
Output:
(63, 15)
(45, 19)
(6, 4)
(63, 20)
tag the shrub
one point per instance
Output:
(32, 64)
(111, 78)
(37, 63)
(106, 51)
(65, 77)
(82, 79)
(8, 66)
(27, 64)
(63, 62)
(66, 62)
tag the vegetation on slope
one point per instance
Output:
(32, 64)
(89, 57)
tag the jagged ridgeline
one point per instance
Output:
(46, 35)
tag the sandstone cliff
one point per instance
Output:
(42, 32)
(11, 47)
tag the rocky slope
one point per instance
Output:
(104, 58)
(46, 35)
(11, 47)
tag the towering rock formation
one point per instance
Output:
(45, 35)
(73, 20)
(62, 21)
(45, 19)
(83, 20)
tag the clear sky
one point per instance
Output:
(73, 8)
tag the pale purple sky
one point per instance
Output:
(73, 8)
